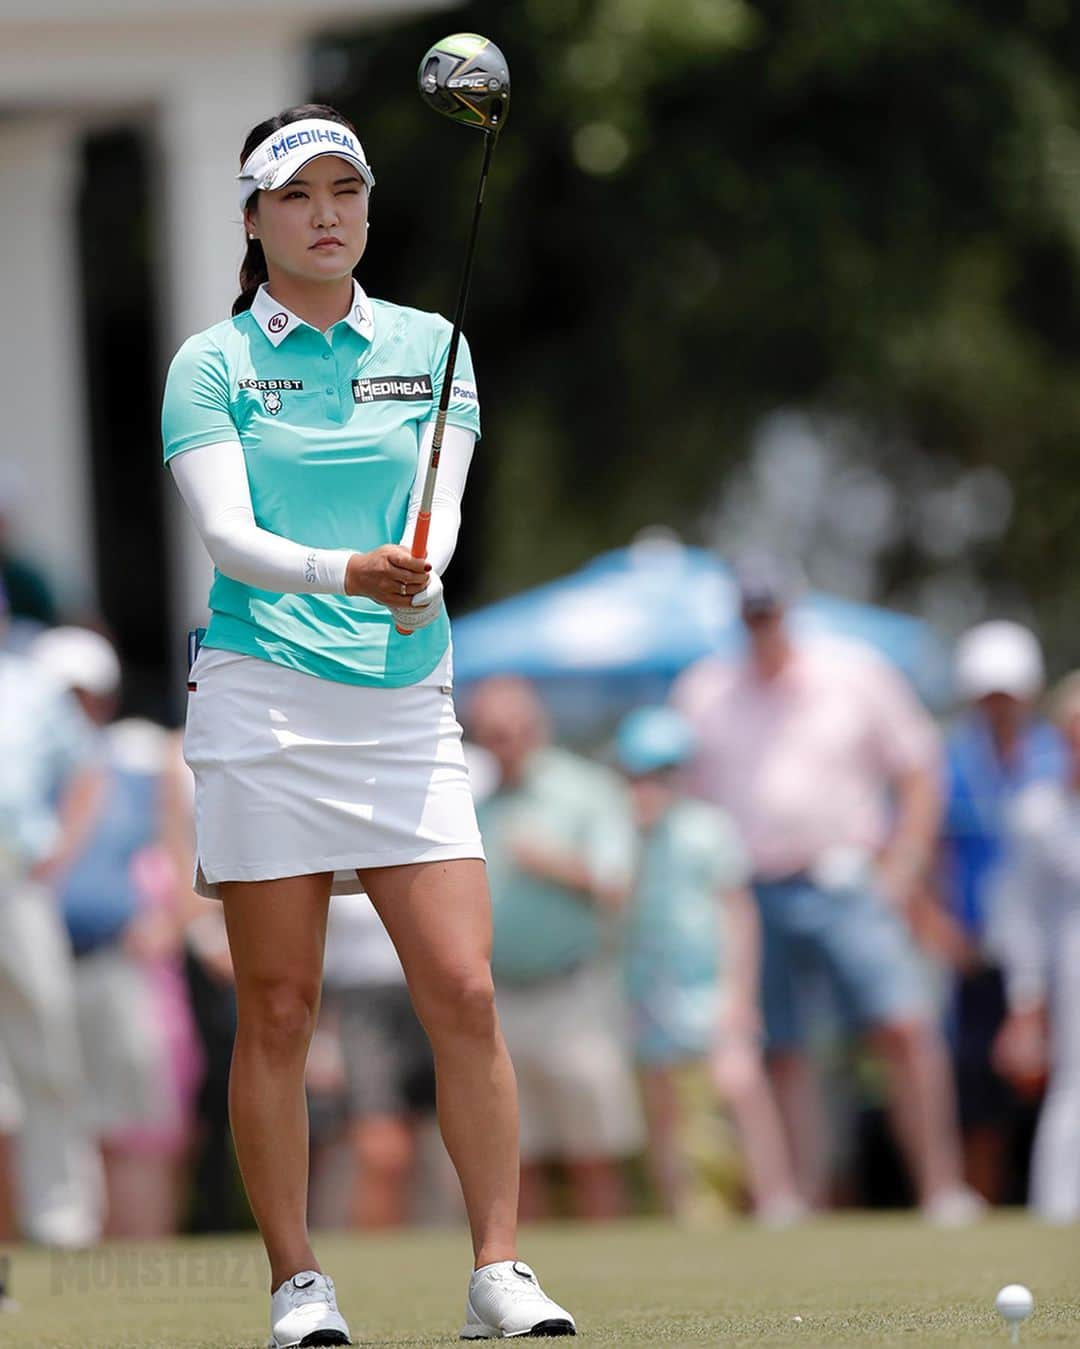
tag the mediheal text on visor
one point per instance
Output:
(282, 147)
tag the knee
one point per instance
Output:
(737, 1072)
(903, 1039)
(461, 1003)
(786, 1067)
(280, 1014)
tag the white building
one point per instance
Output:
(196, 75)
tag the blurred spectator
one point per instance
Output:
(1035, 931)
(119, 897)
(216, 1202)
(692, 964)
(10, 1119)
(370, 1067)
(49, 785)
(994, 750)
(828, 766)
(28, 592)
(560, 848)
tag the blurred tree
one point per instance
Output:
(703, 212)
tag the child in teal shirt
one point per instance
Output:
(691, 964)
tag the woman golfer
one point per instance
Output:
(324, 743)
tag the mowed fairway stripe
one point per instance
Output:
(877, 1281)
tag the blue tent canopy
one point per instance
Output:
(630, 620)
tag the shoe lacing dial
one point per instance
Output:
(318, 1290)
(514, 1279)
(511, 1278)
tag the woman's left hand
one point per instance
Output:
(425, 608)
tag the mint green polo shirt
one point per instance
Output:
(329, 424)
(576, 808)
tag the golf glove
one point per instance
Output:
(425, 608)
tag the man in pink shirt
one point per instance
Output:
(829, 766)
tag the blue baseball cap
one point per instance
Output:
(651, 739)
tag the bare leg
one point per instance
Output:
(143, 1194)
(597, 1189)
(799, 1100)
(438, 915)
(739, 1077)
(923, 1104)
(667, 1169)
(984, 1159)
(7, 1187)
(385, 1150)
(277, 932)
(1055, 1162)
(534, 1202)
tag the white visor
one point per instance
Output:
(281, 156)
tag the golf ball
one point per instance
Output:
(1015, 1302)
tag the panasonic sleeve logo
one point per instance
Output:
(401, 388)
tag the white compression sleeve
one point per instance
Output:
(454, 461)
(213, 482)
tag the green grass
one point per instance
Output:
(859, 1280)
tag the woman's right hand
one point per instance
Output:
(1020, 1052)
(389, 575)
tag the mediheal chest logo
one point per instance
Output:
(400, 388)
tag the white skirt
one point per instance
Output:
(296, 775)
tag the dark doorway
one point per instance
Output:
(122, 375)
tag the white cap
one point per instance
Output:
(79, 659)
(281, 156)
(999, 657)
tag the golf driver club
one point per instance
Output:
(464, 77)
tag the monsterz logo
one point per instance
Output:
(400, 388)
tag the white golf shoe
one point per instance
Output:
(505, 1300)
(303, 1311)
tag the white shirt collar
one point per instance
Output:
(277, 322)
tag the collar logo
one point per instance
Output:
(276, 322)
(399, 388)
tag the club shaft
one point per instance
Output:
(423, 523)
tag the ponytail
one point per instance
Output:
(252, 275)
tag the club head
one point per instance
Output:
(465, 77)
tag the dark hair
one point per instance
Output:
(253, 268)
